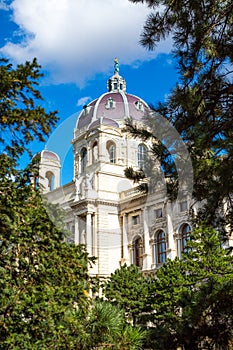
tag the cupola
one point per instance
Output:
(116, 82)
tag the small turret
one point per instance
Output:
(48, 177)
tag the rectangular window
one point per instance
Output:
(135, 219)
(158, 213)
(183, 206)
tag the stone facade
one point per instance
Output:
(104, 210)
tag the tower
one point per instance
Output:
(102, 151)
(49, 170)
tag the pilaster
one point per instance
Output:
(147, 258)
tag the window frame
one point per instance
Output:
(139, 105)
(110, 103)
(185, 232)
(141, 155)
(111, 148)
(93, 148)
(160, 248)
(156, 211)
(135, 220)
(138, 251)
(51, 180)
(83, 159)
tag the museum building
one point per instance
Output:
(107, 212)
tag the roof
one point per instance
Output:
(49, 155)
(103, 121)
(113, 106)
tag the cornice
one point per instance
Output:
(84, 203)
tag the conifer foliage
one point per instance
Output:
(187, 303)
(192, 298)
(44, 281)
(201, 104)
(127, 288)
(22, 119)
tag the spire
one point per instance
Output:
(116, 66)
(116, 82)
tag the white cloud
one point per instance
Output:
(83, 100)
(74, 40)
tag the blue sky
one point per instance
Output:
(76, 43)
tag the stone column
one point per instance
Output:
(94, 235)
(75, 165)
(102, 148)
(131, 258)
(154, 250)
(76, 230)
(171, 249)
(89, 233)
(125, 249)
(147, 259)
(89, 155)
(78, 164)
(178, 246)
(91, 237)
(82, 230)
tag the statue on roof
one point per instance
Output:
(116, 66)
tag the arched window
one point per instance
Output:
(94, 152)
(111, 147)
(184, 235)
(142, 151)
(50, 176)
(139, 105)
(138, 252)
(83, 159)
(160, 247)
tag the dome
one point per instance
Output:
(103, 121)
(112, 106)
(49, 155)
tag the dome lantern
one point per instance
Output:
(116, 82)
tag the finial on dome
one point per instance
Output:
(116, 65)
(116, 83)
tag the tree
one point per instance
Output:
(44, 280)
(22, 119)
(128, 289)
(106, 328)
(191, 299)
(200, 106)
(45, 284)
